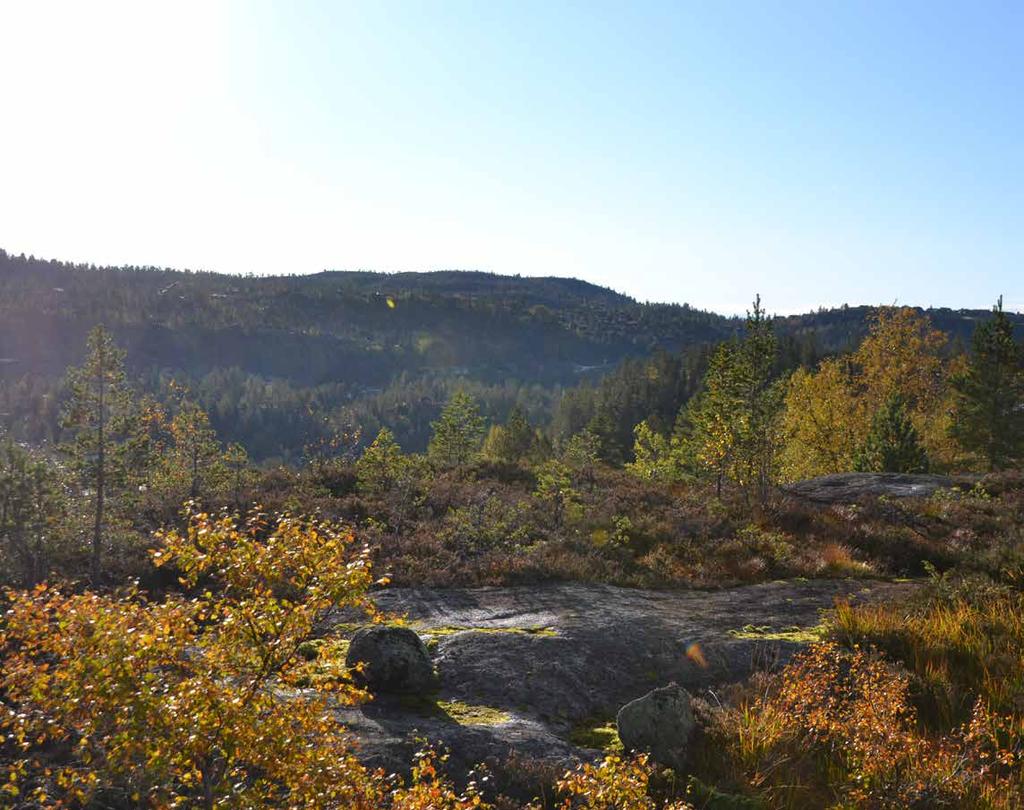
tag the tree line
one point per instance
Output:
(900, 402)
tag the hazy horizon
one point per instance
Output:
(818, 153)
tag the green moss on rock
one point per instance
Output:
(598, 733)
(793, 633)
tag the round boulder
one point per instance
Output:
(660, 723)
(393, 659)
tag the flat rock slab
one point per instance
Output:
(853, 487)
(551, 657)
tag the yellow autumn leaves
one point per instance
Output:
(829, 409)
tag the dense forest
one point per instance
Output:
(284, 365)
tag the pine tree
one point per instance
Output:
(512, 442)
(708, 426)
(457, 433)
(733, 426)
(239, 473)
(988, 413)
(554, 487)
(581, 455)
(892, 444)
(30, 506)
(760, 428)
(380, 466)
(195, 457)
(397, 478)
(99, 414)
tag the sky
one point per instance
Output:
(817, 153)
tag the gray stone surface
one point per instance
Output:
(853, 487)
(393, 659)
(556, 656)
(659, 723)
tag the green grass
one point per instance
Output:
(960, 645)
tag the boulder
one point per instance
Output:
(660, 723)
(394, 659)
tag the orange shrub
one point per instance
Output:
(116, 700)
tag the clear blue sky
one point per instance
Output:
(816, 152)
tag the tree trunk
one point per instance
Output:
(194, 490)
(97, 534)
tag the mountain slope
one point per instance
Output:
(287, 361)
(360, 328)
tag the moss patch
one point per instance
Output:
(322, 662)
(793, 633)
(465, 714)
(598, 733)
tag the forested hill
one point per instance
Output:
(358, 328)
(284, 362)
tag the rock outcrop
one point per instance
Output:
(556, 658)
(391, 659)
(659, 723)
(853, 487)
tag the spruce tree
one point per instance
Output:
(708, 425)
(763, 398)
(733, 426)
(381, 464)
(196, 450)
(988, 415)
(31, 505)
(99, 415)
(513, 441)
(457, 433)
(892, 444)
(582, 455)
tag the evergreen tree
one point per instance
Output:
(380, 466)
(512, 442)
(732, 428)
(239, 473)
(30, 507)
(457, 433)
(603, 427)
(708, 426)
(763, 399)
(892, 444)
(582, 455)
(196, 451)
(99, 414)
(554, 488)
(988, 414)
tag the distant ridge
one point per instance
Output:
(473, 282)
(338, 326)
